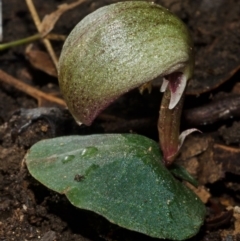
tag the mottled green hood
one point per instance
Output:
(117, 48)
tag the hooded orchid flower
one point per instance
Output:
(123, 46)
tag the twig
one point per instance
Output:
(35, 93)
(217, 110)
(37, 22)
(56, 37)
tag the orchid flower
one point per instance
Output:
(123, 46)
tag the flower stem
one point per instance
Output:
(168, 127)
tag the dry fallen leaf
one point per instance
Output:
(50, 20)
(197, 157)
(227, 157)
(41, 60)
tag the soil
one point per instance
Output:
(29, 211)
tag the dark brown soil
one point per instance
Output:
(29, 211)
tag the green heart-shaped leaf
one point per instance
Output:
(120, 177)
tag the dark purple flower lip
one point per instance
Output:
(177, 82)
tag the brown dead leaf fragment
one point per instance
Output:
(41, 60)
(227, 157)
(231, 135)
(190, 151)
(50, 20)
(215, 28)
(197, 157)
(212, 163)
